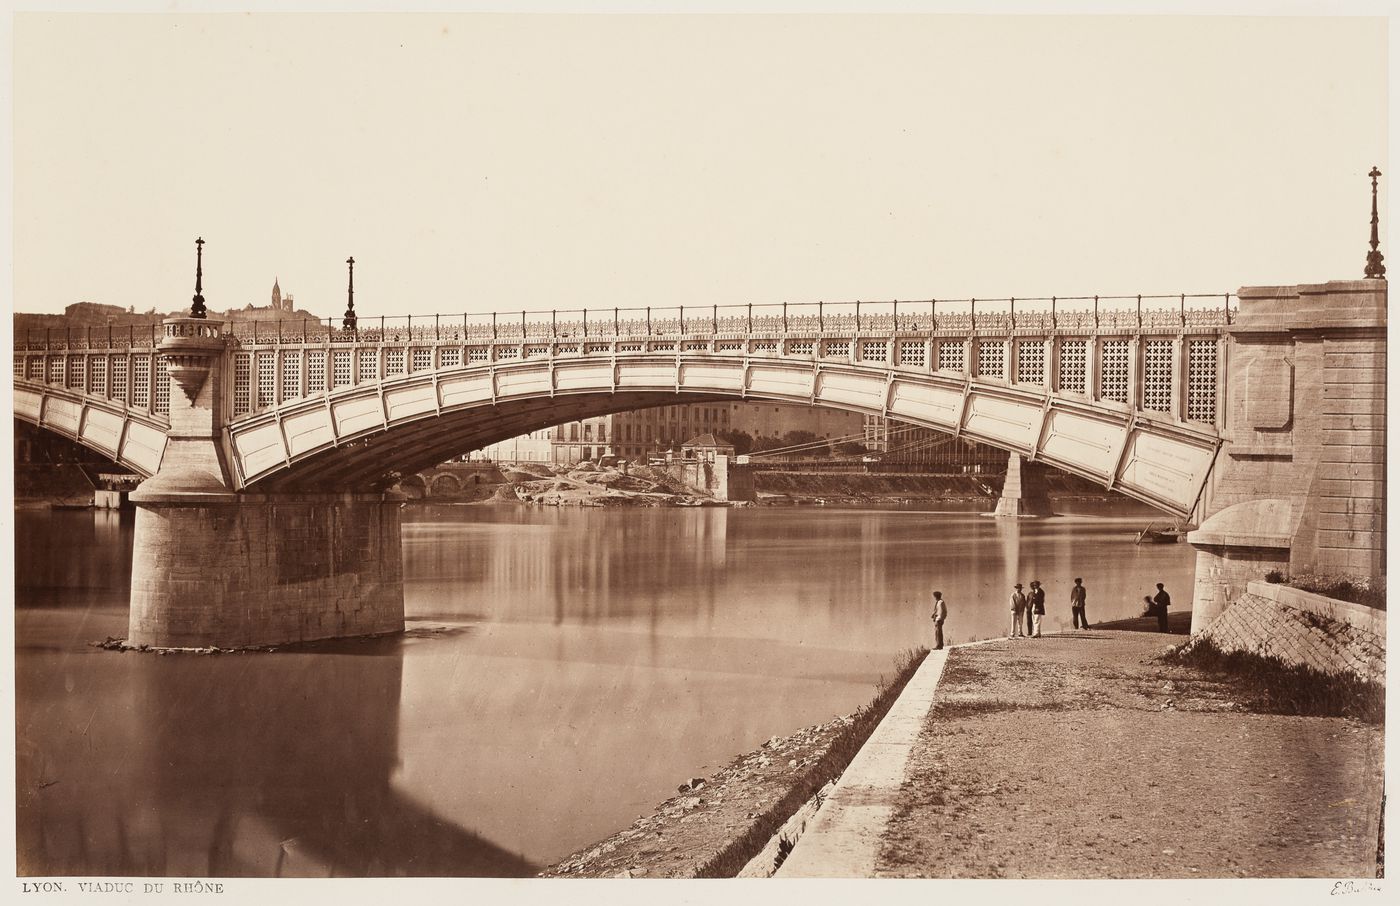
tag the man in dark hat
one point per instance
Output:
(1162, 600)
(1018, 607)
(1076, 605)
(1037, 609)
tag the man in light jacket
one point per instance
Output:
(1018, 608)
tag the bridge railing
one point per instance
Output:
(1071, 313)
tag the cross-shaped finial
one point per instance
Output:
(197, 306)
(1375, 270)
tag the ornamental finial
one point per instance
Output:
(350, 321)
(1375, 270)
(197, 305)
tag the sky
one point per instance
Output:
(499, 162)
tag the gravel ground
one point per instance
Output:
(1074, 756)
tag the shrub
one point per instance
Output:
(1275, 577)
(1276, 687)
(1367, 590)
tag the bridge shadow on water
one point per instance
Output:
(260, 765)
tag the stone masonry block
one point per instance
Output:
(1351, 522)
(1353, 359)
(1351, 504)
(1354, 390)
(1354, 471)
(1339, 406)
(1352, 452)
(1348, 437)
(1353, 422)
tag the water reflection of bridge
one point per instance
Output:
(207, 767)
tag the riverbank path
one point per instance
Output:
(1077, 755)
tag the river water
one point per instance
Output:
(564, 670)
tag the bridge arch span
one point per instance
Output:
(129, 437)
(354, 436)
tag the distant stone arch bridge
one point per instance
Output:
(1123, 391)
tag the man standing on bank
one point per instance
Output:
(1037, 610)
(1076, 605)
(1162, 600)
(940, 613)
(1018, 607)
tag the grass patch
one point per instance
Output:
(728, 861)
(1367, 590)
(1276, 687)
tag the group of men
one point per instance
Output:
(1031, 608)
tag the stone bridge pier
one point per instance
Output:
(213, 567)
(1299, 483)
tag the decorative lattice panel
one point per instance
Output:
(1200, 381)
(315, 371)
(97, 375)
(56, 369)
(340, 368)
(422, 358)
(18, 366)
(242, 393)
(77, 371)
(160, 393)
(991, 360)
(1030, 362)
(950, 356)
(1157, 375)
(875, 351)
(510, 352)
(117, 370)
(267, 380)
(729, 346)
(141, 381)
(393, 361)
(765, 346)
(1113, 371)
(1074, 366)
(36, 368)
(291, 374)
(367, 365)
(801, 347)
(913, 353)
(450, 356)
(838, 349)
(477, 354)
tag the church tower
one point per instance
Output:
(276, 295)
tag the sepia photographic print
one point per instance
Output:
(468, 450)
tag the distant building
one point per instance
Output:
(645, 433)
(706, 447)
(532, 447)
(280, 302)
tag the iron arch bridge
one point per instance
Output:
(1125, 391)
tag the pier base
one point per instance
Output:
(1024, 492)
(230, 571)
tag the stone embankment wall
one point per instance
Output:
(719, 478)
(1303, 628)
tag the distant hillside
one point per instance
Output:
(82, 315)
